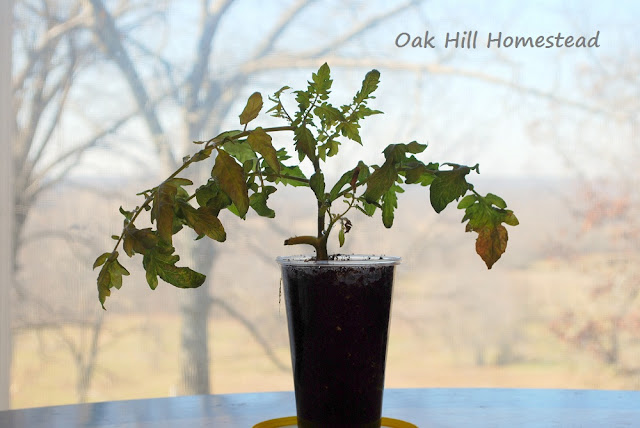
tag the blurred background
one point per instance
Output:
(105, 98)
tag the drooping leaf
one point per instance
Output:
(491, 243)
(162, 264)
(211, 196)
(252, 109)
(110, 276)
(258, 202)
(417, 172)
(342, 182)
(163, 210)
(227, 135)
(448, 186)
(341, 236)
(138, 240)
(104, 285)
(260, 142)
(495, 200)
(202, 154)
(389, 204)
(380, 181)
(316, 182)
(485, 218)
(116, 271)
(101, 260)
(204, 222)
(397, 152)
(230, 177)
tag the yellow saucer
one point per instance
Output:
(292, 422)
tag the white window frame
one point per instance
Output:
(6, 200)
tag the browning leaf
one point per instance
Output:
(491, 243)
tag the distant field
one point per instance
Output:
(143, 364)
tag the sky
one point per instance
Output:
(459, 116)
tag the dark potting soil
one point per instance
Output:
(338, 319)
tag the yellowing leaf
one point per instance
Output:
(260, 142)
(157, 263)
(204, 222)
(110, 276)
(251, 110)
(230, 177)
(101, 260)
(138, 240)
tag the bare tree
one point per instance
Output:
(604, 242)
(53, 48)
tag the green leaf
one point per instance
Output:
(305, 143)
(204, 221)
(252, 109)
(389, 204)
(321, 81)
(258, 202)
(350, 130)
(418, 173)
(397, 152)
(328, 114)
(467, 201)
(230, 177)
(260, 142)
(364, 111)
(211, 196)
(341, 236)
(293, 171)
(380, 181)
(316, 182)
(227, 135)
(241, 150)
(343, 181)
(448, 186)
(366, 208)
(369, 85)
(495, 200)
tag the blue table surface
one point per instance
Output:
(428, 407)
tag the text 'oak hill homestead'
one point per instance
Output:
(469, 40)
